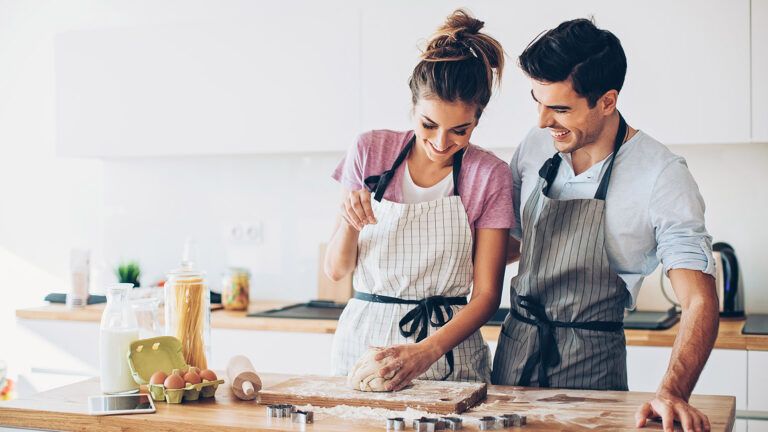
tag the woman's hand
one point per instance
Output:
(356, 209)
(407, 361)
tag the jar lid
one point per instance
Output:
(238, 270)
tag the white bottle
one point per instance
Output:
(118, 329)
(79, 267)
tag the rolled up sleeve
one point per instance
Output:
(677, 214)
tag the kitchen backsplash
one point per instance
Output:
(293, 202)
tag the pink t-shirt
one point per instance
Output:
(485, 181)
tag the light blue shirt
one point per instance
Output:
(654, 211)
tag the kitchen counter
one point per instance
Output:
(65, 409)
(729, 337)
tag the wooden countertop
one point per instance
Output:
(65, 409)
(729, 337)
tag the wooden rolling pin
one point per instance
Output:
(242, 378)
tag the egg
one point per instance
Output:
(178, 372)
(158, 378)
(174, 382)
(208, 375)
(192, 378)
(194, 369)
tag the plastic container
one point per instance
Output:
(164, 353)
(118, 330)
(188, 310)
(235, 288)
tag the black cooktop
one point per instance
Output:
(323, 309)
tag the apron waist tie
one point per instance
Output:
(548, 355)
(417, 320)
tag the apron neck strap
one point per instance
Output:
(377, 184)
(602, 189)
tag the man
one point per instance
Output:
(591, 222)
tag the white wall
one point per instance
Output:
(144, 208)
(297, 201)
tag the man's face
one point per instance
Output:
(567, 115)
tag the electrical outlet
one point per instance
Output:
(254, 233)
(250, 233)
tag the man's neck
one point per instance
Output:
(587, 156)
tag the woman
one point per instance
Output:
(424, 221)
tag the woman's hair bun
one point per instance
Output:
(459, 62)
(454, 36)
(459, 24)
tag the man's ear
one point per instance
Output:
(608, 101)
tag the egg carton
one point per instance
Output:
(163, 353)
(190, 392)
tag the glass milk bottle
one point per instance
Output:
(118, 330)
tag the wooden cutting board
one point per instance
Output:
(439, 397)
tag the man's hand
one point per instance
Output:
(670, 408)
(696, 336)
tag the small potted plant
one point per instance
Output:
(129, 272)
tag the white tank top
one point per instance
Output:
(413, 193)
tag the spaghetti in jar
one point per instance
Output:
(188, 313)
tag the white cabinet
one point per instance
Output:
(688, 64)
(274, 351)
(724, 374)
(757, 425)
(759, 70)
(261, 77)
(758, 380)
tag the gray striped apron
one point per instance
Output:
(414, 272)
(565, 326)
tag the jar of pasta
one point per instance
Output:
(188, 313)
(235, 286)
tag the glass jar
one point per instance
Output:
(235, 287)
(147, 316)
(118, 330)
(188, 313)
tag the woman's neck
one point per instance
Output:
(424, 171)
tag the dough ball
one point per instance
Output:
(364, 375)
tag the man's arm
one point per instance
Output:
(698, 330)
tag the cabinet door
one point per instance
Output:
(757, 425)
(758, 378)
(265, 77)
(274, 351)
(759, 71)
(646, 367)
(687, 79)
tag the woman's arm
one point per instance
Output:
(341, 253)
(411, 360)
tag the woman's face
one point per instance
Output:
(443, 128)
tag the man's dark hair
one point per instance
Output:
(591, 58)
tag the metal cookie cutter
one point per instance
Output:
(304, 417)
(426, 424)
(280, 410)
(452, 423)
(395, 424)
(487, 422)
(511, 420)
